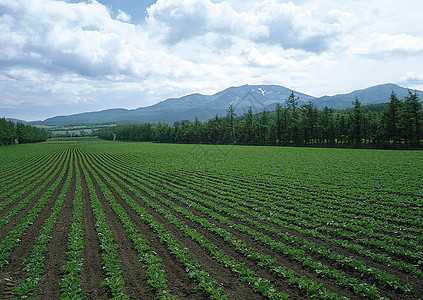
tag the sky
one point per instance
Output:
(60, 57)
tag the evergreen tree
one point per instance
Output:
(198, 132)
(249, 129)
(230, 118)
(375, 132)
(292, 101)
(278, 123)
(293, 129)
(391, 119)
(264, 134)
(397, 121)
(356, 122)
(7, 132)
(105, 134)
(341, 129)
(411, 118)
(213, 130)
(309, 121)
(30, 134)
(162, 133)
(327, 125)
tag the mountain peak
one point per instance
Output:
(259, 97)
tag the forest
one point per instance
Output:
(10, 132)
(394, 125)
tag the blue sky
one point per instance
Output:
(136, 8)
(60, 57)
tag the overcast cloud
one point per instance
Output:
(63, 57)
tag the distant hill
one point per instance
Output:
(372, 95)
(259, 97)
(108, 115)
(16, 120)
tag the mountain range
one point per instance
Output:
(204, 107)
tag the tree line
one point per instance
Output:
(397, 124)
(10, 132)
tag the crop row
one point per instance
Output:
(34, 263)
(29, 189)
(26, 173)
(379, 208)
(193, 267)
(20, 173)
(152, 263)
(71, 281)
(314, 200)
(368, 212)
(279, 229)
(297, 254)
(21, 167)
(14, 235)
(111, 263)
(308, 220)
(341, 260)
(282, 220)
(263, 260)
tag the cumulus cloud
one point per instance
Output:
(180, 20)
(81, 52)
(412, 79)
(123, 16)
(386, 45)
(80, 38)
(59, 36)
(268, 22)
(289, 26)
(266, 60)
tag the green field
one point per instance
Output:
(84, 218)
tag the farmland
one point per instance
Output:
(92, 219)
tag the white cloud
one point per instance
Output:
(56, 35)
(413, 80)
(267, 21)
(255, 58)
(382, 44)
(123, 16)
(180, 20)
(292, 27)
(67, 52)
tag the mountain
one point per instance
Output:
(258, 97)
(188, 107)
(16, 120)
(372, 95)
(108, 115)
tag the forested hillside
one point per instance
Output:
(398, 124)
(10, 132)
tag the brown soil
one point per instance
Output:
(12, 272)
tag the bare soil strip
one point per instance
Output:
(92, 272)
(55, 257)
(13, 269)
